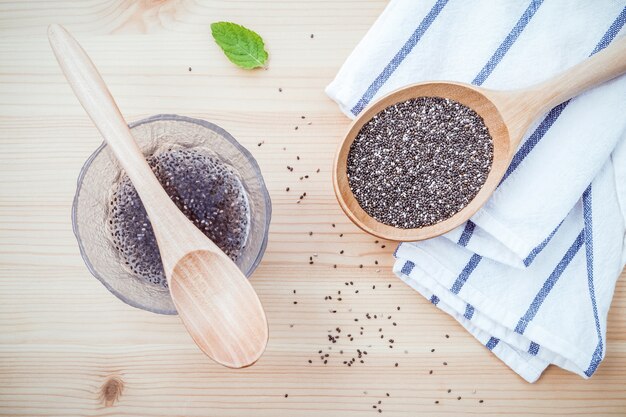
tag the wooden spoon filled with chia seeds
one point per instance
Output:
(214, 299)
(423, 159)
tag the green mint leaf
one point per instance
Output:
(242, 46)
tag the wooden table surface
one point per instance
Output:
(70, 348)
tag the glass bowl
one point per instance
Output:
(101, 173)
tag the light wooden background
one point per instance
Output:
(64, 338)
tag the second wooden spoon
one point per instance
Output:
(215, 301)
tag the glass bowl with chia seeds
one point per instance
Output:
(212, 179)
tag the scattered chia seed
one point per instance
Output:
(419, 162)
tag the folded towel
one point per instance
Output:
(532, 274)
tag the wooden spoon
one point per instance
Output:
(214, 299)
(507, 115)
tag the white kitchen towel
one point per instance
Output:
(532, 274)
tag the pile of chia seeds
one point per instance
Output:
(419, 162)
(206, 190)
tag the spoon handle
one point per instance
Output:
(168, 223)
(601, 67)
(519, 108)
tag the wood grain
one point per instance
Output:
(69, 348)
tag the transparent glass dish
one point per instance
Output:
(102, 172)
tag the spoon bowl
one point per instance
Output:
(198, 298)
(506, 114)
(467, 95)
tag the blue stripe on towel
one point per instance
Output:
(465, 273)
(492, 343)
(434, 299)
(469, 311)
(610, 34)
(534, 138)
(395, 252)
(486, 72)
(549, 284)
(407, 267)
(467, 233)
(399, 57)
(533, 253)
(508, 41)
(533, 349)
(554, 114)
(587, 215)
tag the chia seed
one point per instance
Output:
(206, 190)
(419, 162)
